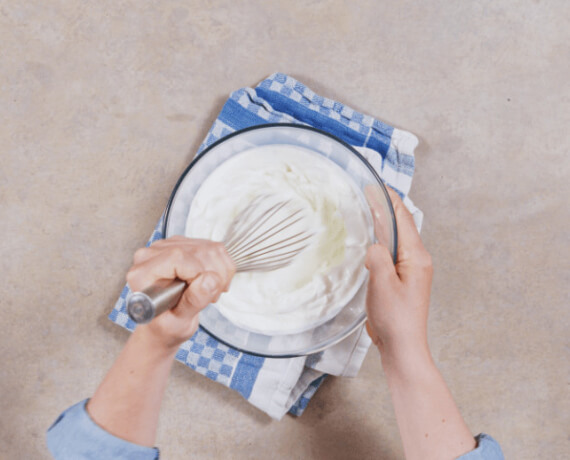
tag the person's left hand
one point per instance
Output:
(204, 265)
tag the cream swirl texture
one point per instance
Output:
(326, 275)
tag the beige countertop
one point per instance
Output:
(103, 104)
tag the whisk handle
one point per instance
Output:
(143, 306)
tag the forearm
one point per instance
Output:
(127, 403)
(430, 424)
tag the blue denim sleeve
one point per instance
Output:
(487, 449)
(75, 436)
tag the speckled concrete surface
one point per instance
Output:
(102, 105)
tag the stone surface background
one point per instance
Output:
(103, 104)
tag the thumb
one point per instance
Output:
(372, 334)
(203, 290)
(383, 280)
(379, 262)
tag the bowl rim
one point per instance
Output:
(210, 147)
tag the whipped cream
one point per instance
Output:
(325, 275)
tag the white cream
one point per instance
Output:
(326, 275)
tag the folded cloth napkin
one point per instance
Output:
(281, 385)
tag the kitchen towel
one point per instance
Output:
(281, 385)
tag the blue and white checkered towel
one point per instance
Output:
(278, 386)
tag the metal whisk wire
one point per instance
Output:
(257, 239)
(255, 242)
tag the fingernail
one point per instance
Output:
(209, 283)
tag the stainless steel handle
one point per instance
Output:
(163, 295)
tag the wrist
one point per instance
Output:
(406, 358)
(150, 343)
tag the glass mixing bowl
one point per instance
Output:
(365, 179)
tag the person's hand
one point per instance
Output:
(204, 265)
(398, 295)
(397, 304)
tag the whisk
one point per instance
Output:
(268, 234)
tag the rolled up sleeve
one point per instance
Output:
(75, 436)
(487, 449)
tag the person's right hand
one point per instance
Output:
(429, 421)
(398, 295)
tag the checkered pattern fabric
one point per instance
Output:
(282, 99)
(209, 357)
(301, 404)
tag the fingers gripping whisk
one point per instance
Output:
(267, 235)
